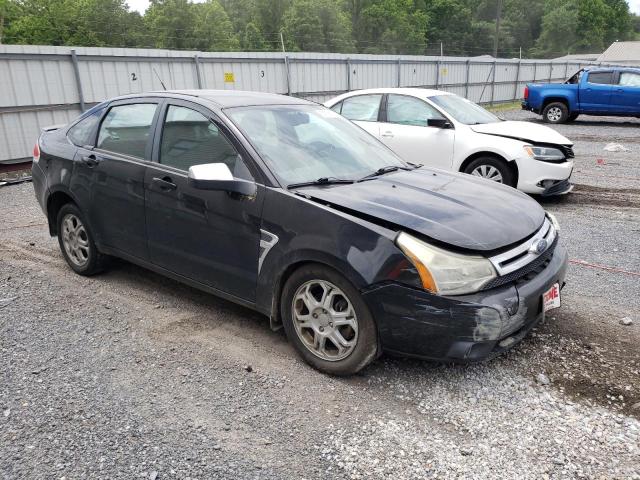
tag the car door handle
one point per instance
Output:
(387, 134)
(90, 160)
(164, 183)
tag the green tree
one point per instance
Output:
(317, 26)
(212, 29)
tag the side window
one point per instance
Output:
(362, 107)
(82, 133)
(410, 111)
(337, 107)
(125, 129)
(189, 138)
(603, 78)
(629, 79)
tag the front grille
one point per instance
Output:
(526, 273)
(567, 150)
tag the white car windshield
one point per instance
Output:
(463, 110)
(304, 143)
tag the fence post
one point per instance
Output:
(196, 61)
(466, 80)
(493, 82)
(566, 69)
(348, 74)
(535, 71)
(286, 67)
(399, 73)
(550, 71)
(515, 90)
(437, 74)
(76, 72)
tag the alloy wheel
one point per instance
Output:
(554, 114)
(75, 240)
(489, 172)
(325, 320)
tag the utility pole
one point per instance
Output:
(497, 35)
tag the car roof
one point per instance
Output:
(227, 98)
(608, 69)
(412, 91)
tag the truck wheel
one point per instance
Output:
(327, 321)
(491, 168)
(556, 112)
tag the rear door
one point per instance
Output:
(406, 131)
(111, 175)
(363, 110)
(595, 93)
(625, 97)
(211, 237)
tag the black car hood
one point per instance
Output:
(455, 209)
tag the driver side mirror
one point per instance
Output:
(439, 123)
(217, 176)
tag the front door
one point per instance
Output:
(211, 237)
(625, 97)
(595, 93)
(115, 171)
(407, 133)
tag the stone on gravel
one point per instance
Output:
(542, 379)
(626, 321)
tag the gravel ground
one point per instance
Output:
(131, 375)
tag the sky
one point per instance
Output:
(141, 5)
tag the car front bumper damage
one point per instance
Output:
(465, 328)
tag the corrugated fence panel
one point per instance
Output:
(39, 84)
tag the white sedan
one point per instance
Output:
(446, 131)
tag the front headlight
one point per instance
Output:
(554, 221)
(443, 272)
(545, 154)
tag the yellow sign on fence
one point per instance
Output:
(228, 77)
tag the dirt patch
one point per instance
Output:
(591, 195)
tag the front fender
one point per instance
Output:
(363, 252)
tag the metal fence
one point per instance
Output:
(45, 85)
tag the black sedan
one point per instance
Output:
(286, 207)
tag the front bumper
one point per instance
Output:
(464, 328)
(535, 176)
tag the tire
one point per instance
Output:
(491, 168)
(76, 242)
(572, 117)
(555, 112)
(343, 304)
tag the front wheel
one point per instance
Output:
(327, 321)
(556, 112)
(491, 168)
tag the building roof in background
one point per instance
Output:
(622, 52)
(587, 57)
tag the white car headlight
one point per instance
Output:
(545, 154)
(443, 272)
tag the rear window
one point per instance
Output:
(83, 133)
(629, 79)
(603, 78)
(125, 129)
(362, 107)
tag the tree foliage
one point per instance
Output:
(543, 28)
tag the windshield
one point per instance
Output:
(463, 110)
(303, 143)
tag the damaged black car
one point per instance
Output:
(286, 207)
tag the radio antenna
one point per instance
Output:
(159, 79)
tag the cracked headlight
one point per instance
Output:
(545, 154)
(444, 272)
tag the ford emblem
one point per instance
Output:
(538, 247)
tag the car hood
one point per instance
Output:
(451, 208)
(525, 131)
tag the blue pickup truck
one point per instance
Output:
(591, 91)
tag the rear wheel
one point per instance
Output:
(76, 241)
(327, 321)
(491, 168)
(556, 112)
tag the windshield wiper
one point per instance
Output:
(382, 171)
(320, 181)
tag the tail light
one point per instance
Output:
(526, 92)
(36, 153)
